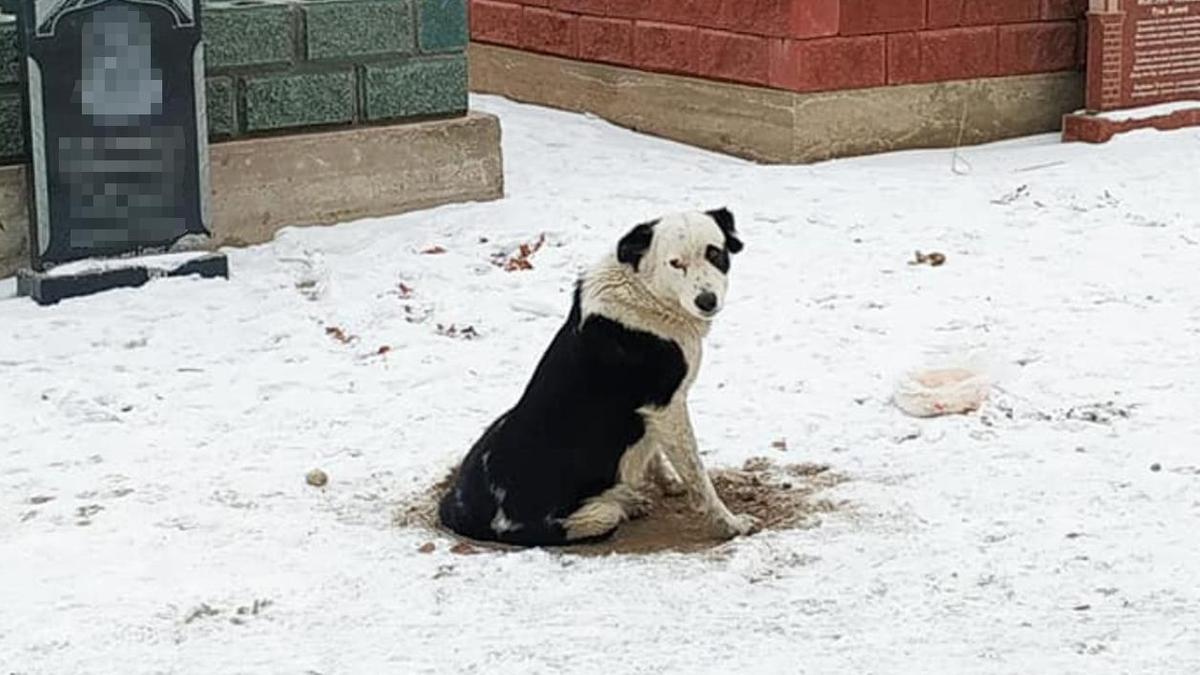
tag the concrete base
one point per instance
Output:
(776, 126)
(262, 185)
(1100, 128)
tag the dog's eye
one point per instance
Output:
(678, 264)
(718, 257)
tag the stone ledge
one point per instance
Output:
(1092, 128)
(774, 126)
(262, 185)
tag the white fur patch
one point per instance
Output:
(501, 523)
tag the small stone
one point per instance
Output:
(1156, 467)
(317, 478)
(427, 547)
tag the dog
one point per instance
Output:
(605, 411)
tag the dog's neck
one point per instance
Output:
(614, 290)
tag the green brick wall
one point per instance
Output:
(415, 89)
(11, 136)
(312, 63)
(248, 34)
(221, 96)
(343, 30)
(11, 122)
(280, 65)
(443, 25)
(9, 53)
(298, 100)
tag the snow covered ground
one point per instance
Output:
(154, 516)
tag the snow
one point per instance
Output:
(1149, 111)
(164, 262)
(178, 421)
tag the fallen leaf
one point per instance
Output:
(463, 548)
(338, 334)
(520, 260)
(934, 259)
(434, 250)
(453, 331)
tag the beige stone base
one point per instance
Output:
(778, 126)
(264, 184)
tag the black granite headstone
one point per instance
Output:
(117, 128)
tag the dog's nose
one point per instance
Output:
(706, 301)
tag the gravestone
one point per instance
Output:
(118, 145)
(1143, 68)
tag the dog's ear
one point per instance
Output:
(633, 246)
(725, 221)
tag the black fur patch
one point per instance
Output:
(718, 257)
(633, 245)
(563, 441)
(725, 221)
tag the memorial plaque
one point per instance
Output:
(117, 129)
(1142, 52)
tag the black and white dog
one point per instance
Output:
(606, 409)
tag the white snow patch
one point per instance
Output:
(1149, 111)
(154, 441)
(162, 261)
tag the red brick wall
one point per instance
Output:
(800, 45)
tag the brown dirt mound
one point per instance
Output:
(782, 497)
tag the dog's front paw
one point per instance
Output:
(635, 502)
(738, 525)
(668, 478)
(639, 505)
(672, 485)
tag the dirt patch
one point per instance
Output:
(782, 497)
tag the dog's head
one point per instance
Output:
(683, 259)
